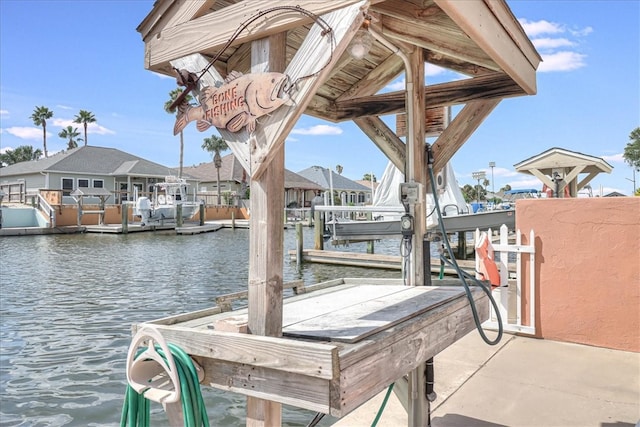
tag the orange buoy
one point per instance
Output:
(487, 265)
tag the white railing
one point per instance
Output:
(512, 321)
(44, 206)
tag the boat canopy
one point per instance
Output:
(521, 191)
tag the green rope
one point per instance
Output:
(136, 408)
(384, 403)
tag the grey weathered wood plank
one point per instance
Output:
(302, 391)
(394, 359)
(306, 358)
(357, 321)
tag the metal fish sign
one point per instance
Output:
(239, 102)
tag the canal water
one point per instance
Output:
(67, 303)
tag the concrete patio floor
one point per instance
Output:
(523, 382)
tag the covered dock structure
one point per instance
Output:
(335, 57)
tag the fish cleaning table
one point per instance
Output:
(341, 345)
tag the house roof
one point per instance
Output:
(231, 170)
(294, 180)
(556, 158)
(327, 178)
(91, 160)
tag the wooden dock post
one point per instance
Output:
(202, 214)
(266, 237)
(125, 218)
(79, 212)
(179, 219)
(318, 230)
(415, 172)
(299, 245)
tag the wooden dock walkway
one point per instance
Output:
(358, 259)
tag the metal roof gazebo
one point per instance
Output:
(561, 169)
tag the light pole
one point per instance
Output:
(493, 185)
(633, 180)
(478, 176)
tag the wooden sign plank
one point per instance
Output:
(237, 142)
(435, 121)
(253, 149)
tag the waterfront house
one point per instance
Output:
(86, 168)
(234, 181)
(346, 192)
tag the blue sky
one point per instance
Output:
(86, 54)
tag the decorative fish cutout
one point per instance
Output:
(239, 102)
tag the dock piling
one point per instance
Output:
(299, 245)
(125, 218)
(319, 228)
(179, 219)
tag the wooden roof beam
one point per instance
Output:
(455, 64)
(503, 43)
(493, 86)
(384, 138)
(460, 129)
(212, 31)
(433, 38)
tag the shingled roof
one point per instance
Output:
(328, 178)
(231, 170)
(90, 160)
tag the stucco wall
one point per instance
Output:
(68, 214)
(588, 269)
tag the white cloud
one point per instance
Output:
(64, 107)
(562, 61)
(551, 43)
(526, 183)
(393, 86)
(433, 70)
(581, 32)
(163, 76)
(25, 132)
(318, 130)
(94, 128)
(4, 112)
(614, 158)
(430, 70)
(540, 27)
(556, 36)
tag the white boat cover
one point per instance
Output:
(450, 196)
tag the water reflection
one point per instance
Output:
(68, 302)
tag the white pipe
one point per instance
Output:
(409, 172)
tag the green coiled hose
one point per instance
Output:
(136, 408)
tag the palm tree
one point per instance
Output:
(71, 134)
(85, 117)
(23, 153)
(173, 95)
(215, 145)
(39, 117)
(369, 177)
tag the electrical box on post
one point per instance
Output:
(410, 192)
